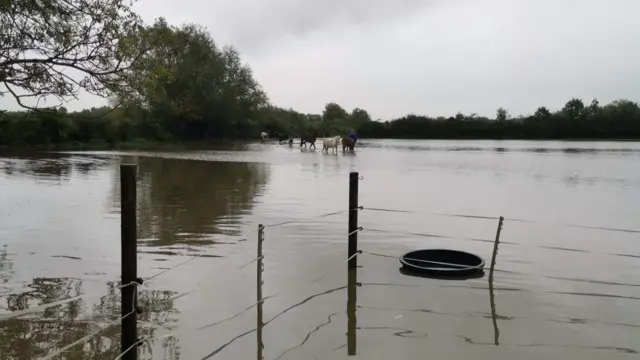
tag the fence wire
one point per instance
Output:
(520, 220)
(507, 243)
(311, 218)
(309, 298)
(91, 335)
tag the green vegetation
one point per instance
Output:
(617, 120)
(169, 84)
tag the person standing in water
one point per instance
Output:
(353, 136)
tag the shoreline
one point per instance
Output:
(220, 143)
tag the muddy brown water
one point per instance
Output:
(561, 292)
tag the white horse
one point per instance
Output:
(331, 143)
(264, 136)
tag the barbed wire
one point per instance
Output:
(603, 228)
(44, 306)
(388, 284)
(439, 236)
(173, 267)
(251, 262)
(432, 213)
(202, 327)
(199, 286)
(311, 218)
(509, 243)
(483, 217)
(287, 309)
(334, 270)
(296, 304)
(185, 294)
(509, 290)
(511, 272)
(138, 281)
(89, 336)
(355, 231)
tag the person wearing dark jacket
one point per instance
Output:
(352, 135)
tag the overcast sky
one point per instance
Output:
(435, 57)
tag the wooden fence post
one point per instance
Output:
(128, 259)
(353, 220)
(352, 271)
(352, 319)
(492, 302)
(259, 282)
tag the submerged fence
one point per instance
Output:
(130, 280)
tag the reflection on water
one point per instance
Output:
(6, 270)
(516, 146)
(189, 202)
(37, 334)
(194, 203)
(51, 167)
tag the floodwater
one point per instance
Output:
(559, 291)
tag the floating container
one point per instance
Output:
(442, 263)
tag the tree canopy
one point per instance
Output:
(57, 48)
(193, 88)
(167, 83)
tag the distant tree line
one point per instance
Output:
(618, 120)
(106, 126)
(169, 83)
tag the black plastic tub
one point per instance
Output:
(442, 263)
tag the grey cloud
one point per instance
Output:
(433, 56)
(253, 25)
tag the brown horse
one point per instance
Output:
(348, 143)
(308, 138)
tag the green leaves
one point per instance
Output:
(55, 48)
(197, 89)
(334, 111)
(502, 114)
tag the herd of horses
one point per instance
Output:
(310, 138)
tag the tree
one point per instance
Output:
(542, 113)
(574, 108)
(333, 111)
(56, 48)
(593, 109)
(502, 114)
(194, 88)
(358, 117)
(623, 111)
